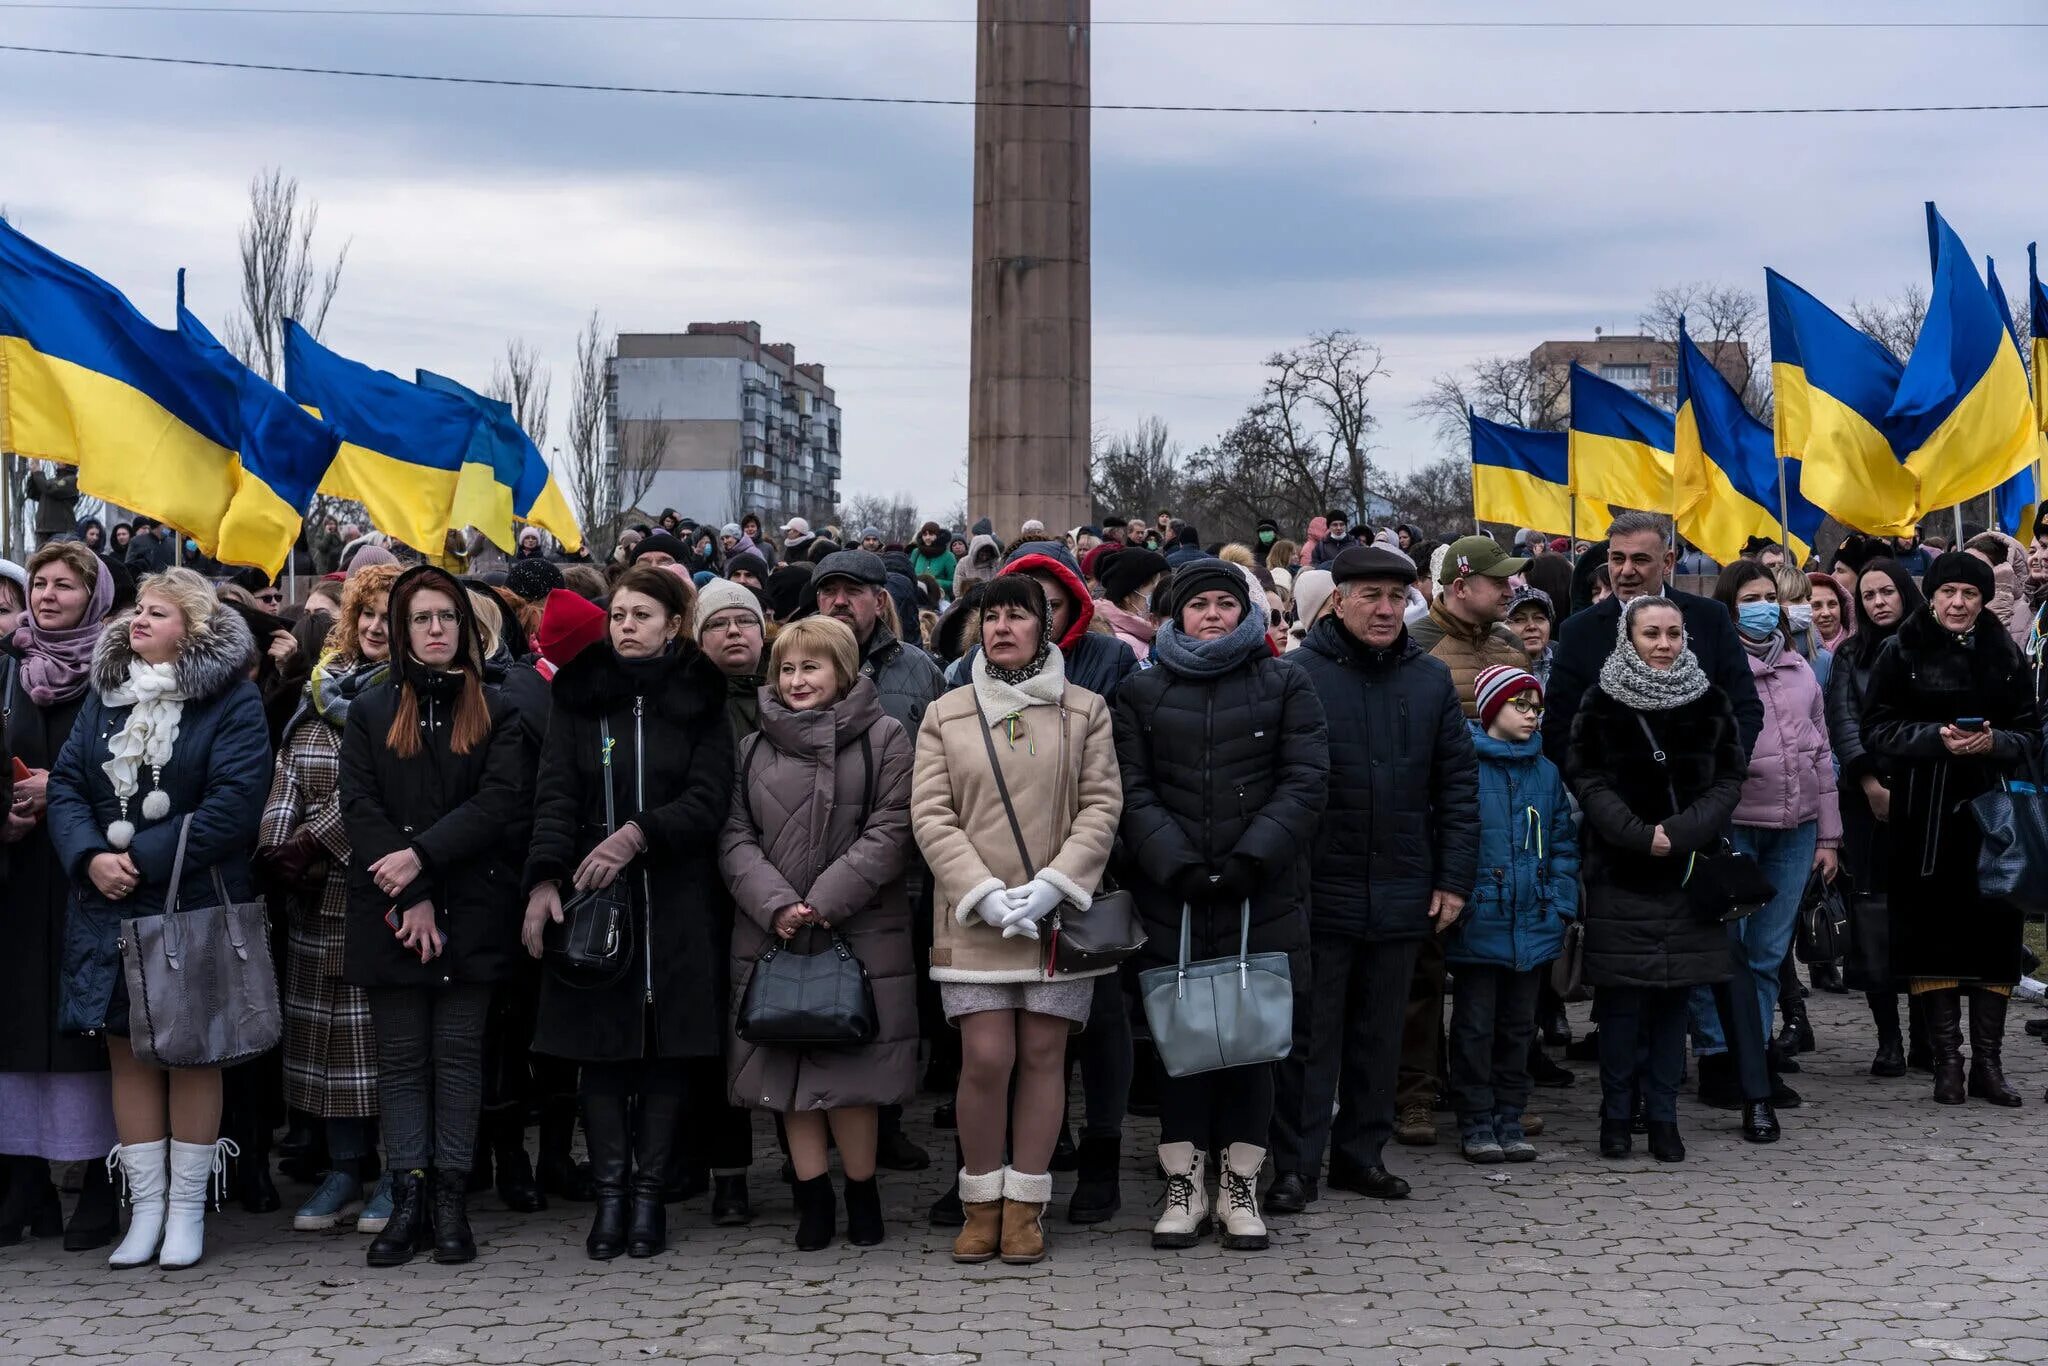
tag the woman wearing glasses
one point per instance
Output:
(434, 801)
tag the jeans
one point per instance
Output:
(1493, 1018)
(1786, 857)
(1213, 1110)
(1347, 1050)
(430, 1072)
(1645, 1022)
(1104, 1049)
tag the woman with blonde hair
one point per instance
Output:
(173, 729)
(818, 838)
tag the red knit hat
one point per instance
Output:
(1494, 686)
(569, 625)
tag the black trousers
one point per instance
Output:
(1213, 1110)
(717, 1135)
(1493, 1017)
(1642, 1037)
(1348, 1009)
(1422, 1029)
(430, 1072)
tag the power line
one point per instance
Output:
(329, 12)
(598, 87)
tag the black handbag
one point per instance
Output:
(810, 1000)
(1109, 932)
(592, 947)
(1720, 882)
(1823, 924)
(1568, 969)
(1867, 950)
(2012, 862)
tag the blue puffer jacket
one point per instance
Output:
(1528, 860)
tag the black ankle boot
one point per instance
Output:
(409, 1230)
(1098, 1191)
(1987, 1048)
(559, 1173)
(516, 1185)
(863, 1213)
(817, 1213)
(1945, 1038)
(1890, 1060)
(654, 1143)
(98, 1216)
(731, 1205)
(1615, 1139)
(894, 1152)
(453, 1241)
(605, 1119)
(1665, 1144)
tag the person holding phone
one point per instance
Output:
(435, 801)
(1951, 709)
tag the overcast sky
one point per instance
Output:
(474, 215)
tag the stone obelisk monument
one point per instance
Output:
(1028, 402)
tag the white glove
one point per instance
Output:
(993, 908)
(1028, 905)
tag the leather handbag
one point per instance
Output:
(592, 947)
(202, 986)
(1220, 1012)
(1568, 969)
(1109, 932)
(1867, 949)
(820, 999)
(2012, 862)
(1720, 882)
(1823, 923)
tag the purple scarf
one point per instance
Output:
(56, 664)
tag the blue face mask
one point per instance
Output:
(1757, 619)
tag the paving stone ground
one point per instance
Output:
(1882, 1229)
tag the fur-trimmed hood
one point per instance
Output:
(681, 684)
(212, 659)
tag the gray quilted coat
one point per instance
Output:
(797, 832)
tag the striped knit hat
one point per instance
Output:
(1495, 685)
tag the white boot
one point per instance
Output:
(1237, 1198)
(193, 1166)
(1186, 1220)
(141, 1168)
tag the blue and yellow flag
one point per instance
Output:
(1523, 478)
(505, 477)
(152, 419)
(2015, 498)
(2037, 315)
(1833, 386)
(402, 447)
(1726, 468)
(1962, 420)
(1620, 445)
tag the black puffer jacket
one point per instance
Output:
(1238, 764)
(1641, 930)
(683, 757)
(1403, 814)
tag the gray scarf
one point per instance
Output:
(1188, 657)
(1634, 684)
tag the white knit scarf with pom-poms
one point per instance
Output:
(147, 737)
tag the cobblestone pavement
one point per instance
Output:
(1881, 1229)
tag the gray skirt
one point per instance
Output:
(1066, 998)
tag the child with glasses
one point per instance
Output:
(1528, 887)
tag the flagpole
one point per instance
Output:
(1785, 516)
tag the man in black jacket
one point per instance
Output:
(1392, 865)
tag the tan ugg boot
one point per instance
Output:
(982, 1236)
(1024, 1201)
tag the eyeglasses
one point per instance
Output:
(441, 617)
(738, 621)
(1526, 705)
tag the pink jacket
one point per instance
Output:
(1792, 769)
(1132, 628)
(1318, 528)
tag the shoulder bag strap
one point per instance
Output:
(178, 867)
(1661, 759)
(753, 743)
(7, 700)
(1003, 788)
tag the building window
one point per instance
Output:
(1627, 376)
(1667, 377)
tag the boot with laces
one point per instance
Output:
(1185, 1221)
(1237, 1198)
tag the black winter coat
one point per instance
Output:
(1864, 856)
(1587, 638)
(466, 816)
(1925, 678)
(1641, 930)
(683, 754)
(1402, 819)
(1238, 764)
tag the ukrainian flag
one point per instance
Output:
(1726, 468)
(1620, 445)
(1962, 420)
(2015, 498)
(2037, 312)
(152, 421)
(505, 477)
(1523, 478)
(1833, 386)
(402, 447)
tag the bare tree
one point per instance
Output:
(1136, 471)
(1893, 323)
(518, 378)
(895, 516)
(1731, 328)
(279, 278)
(612, 462)
(1510, 389)
(1329, 378)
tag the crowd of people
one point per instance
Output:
(1413, 773)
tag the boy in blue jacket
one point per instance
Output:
(1528, 888)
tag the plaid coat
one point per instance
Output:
(330, 1049)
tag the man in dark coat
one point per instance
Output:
(1394, 863)
(56, 498)
(1337, 542)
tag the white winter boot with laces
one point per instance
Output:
(1237, 1198)
(1186, 1220)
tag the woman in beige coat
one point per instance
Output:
(818, 836)
(1018, 726)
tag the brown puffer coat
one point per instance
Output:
(821, 814)
(1466, 651)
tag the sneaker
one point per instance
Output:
(1513, 1139)
(1416, 1126)
(339, 1196)
(377, 1209)
(1477, 1143)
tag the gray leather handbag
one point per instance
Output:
(1220, 1012)
(202, 987)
